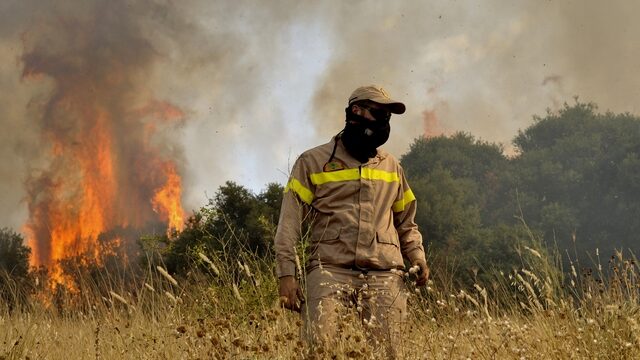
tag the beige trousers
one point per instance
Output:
(377, 298)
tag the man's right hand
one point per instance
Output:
(422, 275)
(291, 296)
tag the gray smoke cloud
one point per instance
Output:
(483, 67)
(260, 82)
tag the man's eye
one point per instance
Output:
(380, 114)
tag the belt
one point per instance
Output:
(352, 267)
(363, 270)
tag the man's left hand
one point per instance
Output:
(423, 273)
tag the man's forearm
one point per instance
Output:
(287, 235)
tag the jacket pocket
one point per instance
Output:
(325, 246)
(325, 234)
(389, 236)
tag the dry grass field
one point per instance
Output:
(229, 311)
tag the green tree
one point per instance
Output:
(14, 268)
(482, 164)
(235, 219)
(577, 176)
(447, 211)
(14, 255)
(460, 184)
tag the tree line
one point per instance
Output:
(572, 185)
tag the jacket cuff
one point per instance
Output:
(416, 255)
(286, 268)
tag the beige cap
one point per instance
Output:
(377, 95)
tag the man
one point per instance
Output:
(361, 211)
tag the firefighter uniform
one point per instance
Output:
(362, 223)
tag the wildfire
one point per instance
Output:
(109, 173)
(83, 194)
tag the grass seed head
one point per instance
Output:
(171, 297)
(118, 297)
(236, 293)
(213, 266)
(166, 275)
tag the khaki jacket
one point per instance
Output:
(362, 215)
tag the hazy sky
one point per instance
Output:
(261, 81)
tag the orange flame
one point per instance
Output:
(80, 204)
(84, 193)
(431, 123)
(166, 201)
(431, 119)
(109, 174)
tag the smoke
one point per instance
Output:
(259, 82)
(488, 61)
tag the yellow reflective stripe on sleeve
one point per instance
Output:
(407, 197)
(334, 176)
(305, 194)
(353, 174)
(375, 174)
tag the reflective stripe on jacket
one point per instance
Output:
(362, 216)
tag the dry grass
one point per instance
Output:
(230, 311)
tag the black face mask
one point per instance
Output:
(362, 136)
